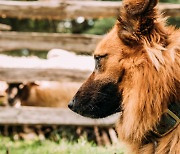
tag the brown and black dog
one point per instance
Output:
(138, 73)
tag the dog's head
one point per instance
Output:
(100, 95)
(115, 57)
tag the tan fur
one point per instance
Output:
(151, 60)
(50, 95)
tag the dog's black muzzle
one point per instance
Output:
(96, 99)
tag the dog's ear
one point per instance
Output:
(136, 19)
(135, 7)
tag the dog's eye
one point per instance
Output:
(98, 59)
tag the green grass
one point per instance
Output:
(50, 147)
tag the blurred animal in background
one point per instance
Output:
(137, 72)
(13, 92)
(30, 93)
(3, 95)
(41, 93)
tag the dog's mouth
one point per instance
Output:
(97, 100)
(93, 111)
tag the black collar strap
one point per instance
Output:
(168, 122)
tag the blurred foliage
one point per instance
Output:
(26, 25)
(101, 26)
(174, 21)
(26, 53)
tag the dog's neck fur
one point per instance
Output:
(152, 87)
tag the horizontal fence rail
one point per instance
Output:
(50, 116)
(47, 41)
(69, 9)
(50, 74)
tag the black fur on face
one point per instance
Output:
(96, 99)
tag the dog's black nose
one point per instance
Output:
(70, 105)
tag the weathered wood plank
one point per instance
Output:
(46, 41)
(58, 9)
(34, 74)
(69, 9)
(171, 10)
(49, 116)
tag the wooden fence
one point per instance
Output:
(46, 41)
(64, 9)
(50, 116)
(54, 10)
(51, 74)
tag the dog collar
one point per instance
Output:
(169, 120)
